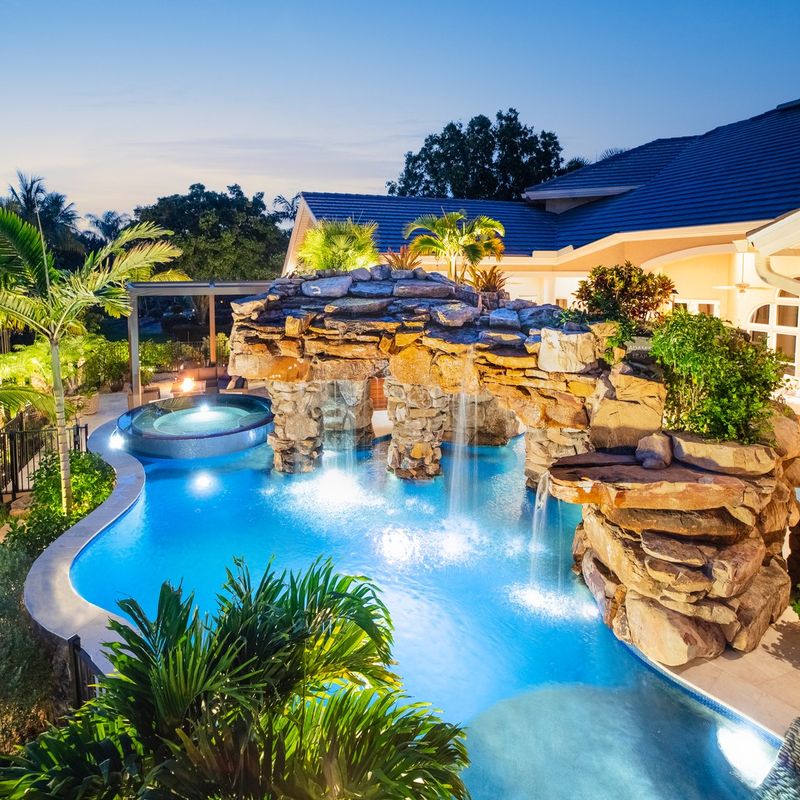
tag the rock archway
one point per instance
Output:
(318, 340)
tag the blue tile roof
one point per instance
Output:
(742, 172)
(527, 228)
(631, 168)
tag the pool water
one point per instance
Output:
(201, 420)
(491, 625)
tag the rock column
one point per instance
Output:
(297, 435)
(419, 415)
(347, 414)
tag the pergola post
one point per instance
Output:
(212, 329)
(133, 350)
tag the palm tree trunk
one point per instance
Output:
(61, 428)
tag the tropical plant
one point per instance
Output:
(285, 693)
(14, 399)
(35, 295)
(624, 293)
(458, 241)
(403, 258)
(109, 224)
(719, 382)
(490, 279)
(339, 244)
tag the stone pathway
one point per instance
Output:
(764, 685)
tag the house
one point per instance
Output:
(713, 211)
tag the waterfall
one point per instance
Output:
(541, 507)
(463, 477)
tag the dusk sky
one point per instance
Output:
(117, 103)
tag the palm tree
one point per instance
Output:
(284, 694)
(457, 240)
(339, 244)
(109, 224)
(285, 209)
(34, 294)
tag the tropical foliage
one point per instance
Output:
(51, 303)
(456, 240)
(339, 244)
(222, 235)
(404, 258)
(482, 159)
(285, 693)
(719, 382)
(109, 224)
(624, 292)
(30, 694)
(490, 279)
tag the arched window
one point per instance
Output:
(778, 325)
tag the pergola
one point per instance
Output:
(209, 289)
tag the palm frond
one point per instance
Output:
(15, 398)
(22, 259)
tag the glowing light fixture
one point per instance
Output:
(115, 441)
(187, 385)
(204, 483)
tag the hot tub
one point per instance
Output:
(197, 426)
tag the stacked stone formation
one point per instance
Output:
(682, 544)
(423, 329)
(487, 421)
(296, 437)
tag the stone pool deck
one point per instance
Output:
(763, 685)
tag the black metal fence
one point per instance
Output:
(21, 452)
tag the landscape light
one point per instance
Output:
(187, 384)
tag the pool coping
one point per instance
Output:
(57, 608)
(49, 596)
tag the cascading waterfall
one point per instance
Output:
(463, 475)
(537, 546)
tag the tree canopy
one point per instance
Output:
(223, 235)
(482, 159)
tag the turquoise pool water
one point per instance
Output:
(491, 625)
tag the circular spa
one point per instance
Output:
(198, 426)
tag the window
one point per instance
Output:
(562, 302)
(776, 324)
(710, 307)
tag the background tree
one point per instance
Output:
(109, 224)
(482, 159)
(223, 235)
(34, 294)
(286, 209)
(458, 241)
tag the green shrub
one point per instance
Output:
(624, 293)
(719, 383)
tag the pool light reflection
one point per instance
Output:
(204, 483)
(746, 752)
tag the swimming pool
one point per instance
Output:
(491, 626)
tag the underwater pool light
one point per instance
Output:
(746, 752)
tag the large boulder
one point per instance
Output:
(762, 603)
(733, 567)
(634, 386)
(786, 432)
(412, 364)
(417, 288)
(567, 352)
(729, 458)
(454, 315)
(327, 287)
(504, 318)
(619, 424)
(717, 525)
(372, 288)
(654, 451)
(667, 636)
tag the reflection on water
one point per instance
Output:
(491, 626)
